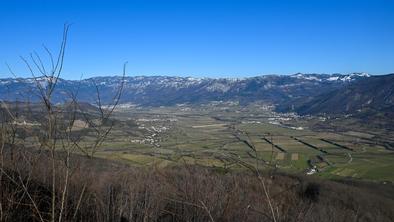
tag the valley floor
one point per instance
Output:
(211, 135)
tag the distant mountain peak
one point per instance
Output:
(331, 77)
(171, 90)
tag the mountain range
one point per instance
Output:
(301, 93)
(366, 94)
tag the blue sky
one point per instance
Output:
(202, 38)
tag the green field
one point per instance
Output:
(206, 135)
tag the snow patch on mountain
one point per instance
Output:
(330, 77)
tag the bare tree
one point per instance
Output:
(55, 134)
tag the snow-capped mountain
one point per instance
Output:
(332, 77)
(373, 94)
(167, 90)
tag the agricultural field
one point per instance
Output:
(215, 135)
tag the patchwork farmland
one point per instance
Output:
(205, 136)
